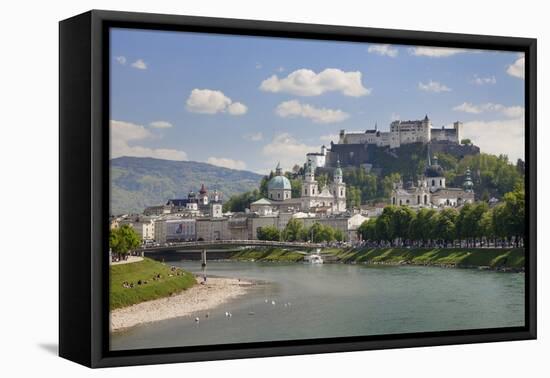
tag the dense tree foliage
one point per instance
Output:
(475, 224)
(271, 233)
(493, 176)
(295, 231)
(240, 202)
(123, 240)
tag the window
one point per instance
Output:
(433, 182)
(440, 182)
(278, 195)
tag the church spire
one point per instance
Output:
(278, 170)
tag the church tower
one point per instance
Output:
(309, 186)
(339, 189)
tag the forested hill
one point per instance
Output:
(140, 182)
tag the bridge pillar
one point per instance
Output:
(203, 257)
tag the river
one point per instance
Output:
(334, 300)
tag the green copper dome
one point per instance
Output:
(279, 182)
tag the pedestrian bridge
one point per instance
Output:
(203, 245)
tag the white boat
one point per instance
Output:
(313, 258)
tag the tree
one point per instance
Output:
(464, 229)
(388, 182)
(263, 186)
(240, 202)
(487, 226)
(445, 225)
(514, 212)
(270, 233)
(401, 220)
(123, 239)
(385, 224)
(466, 141)
(367, 230)
(293, 230)
(339, 235)
(353, 197)
(422, 225)
(296, 186)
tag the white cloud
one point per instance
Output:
(280, 69)
(285, 149)
(293, 109)
(140, 64)
(484, 80)
(384, 50)
(124, 135)
(161, 124)
(435, 52)
(517, 69)
(395, 117)
(227, 163)
(329, 138)
(207, 101)
(237, 108)
(433, 86)
(258, 66)
(508, 111)
(498, 137)
(304, 82)
(121, 60)
(254, 137)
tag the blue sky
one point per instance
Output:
(248, 102)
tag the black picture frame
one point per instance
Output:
(84, 187)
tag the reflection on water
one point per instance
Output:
(334, 300)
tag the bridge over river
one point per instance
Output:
(221, 248)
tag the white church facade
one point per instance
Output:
(432, 191)
(330, 199)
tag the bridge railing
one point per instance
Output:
(234, 242)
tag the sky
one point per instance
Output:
(249, 102)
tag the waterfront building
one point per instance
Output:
(143, 225)
(210, 228)
(175, 230)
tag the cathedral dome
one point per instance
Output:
(279, 182)
(434, 171)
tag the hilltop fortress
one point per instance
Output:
(353, 149)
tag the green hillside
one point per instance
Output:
(140, 182)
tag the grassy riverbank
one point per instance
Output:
(495, 258)
(268, 254)
(170, 282)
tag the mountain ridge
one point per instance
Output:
(138, 182)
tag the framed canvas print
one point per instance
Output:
(233, 188)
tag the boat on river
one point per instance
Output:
(314, 258)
